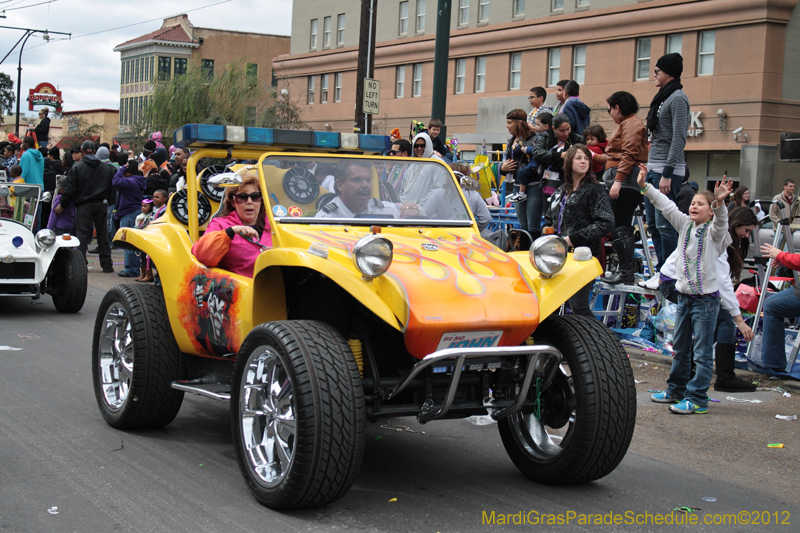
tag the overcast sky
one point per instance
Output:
(86, 68)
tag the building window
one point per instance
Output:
(480, 74)
(582, 3)
(553, 66)
(516, 71)
(483, 10)
(461, 73)
(400, 84)
(252, 72)
(310, 90)
(207, 65)
(147, 61)
(463, 12)
(518, 8)
(313, 42)
(558, 5)
(705, 62)
(643, 59)
(579, 64)
(337, 87)
(152, 66)
(417, 87)
(340, 29)
(403, 28)
(122, 74)
(136, 66)
(326, 32)
(674, 44)
(420, 16)
(323, 97)
(180, 66)
(164, 67)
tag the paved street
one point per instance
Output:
(56, 451)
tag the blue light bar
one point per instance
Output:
(259, 135)
(376, 143)
(326, 139)
(203, 135)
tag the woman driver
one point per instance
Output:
(233, 240)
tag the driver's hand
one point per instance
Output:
(58, 210)
(246, 232)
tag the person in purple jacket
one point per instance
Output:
(130, 186)
(65, 222)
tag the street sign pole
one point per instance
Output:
(440, 65)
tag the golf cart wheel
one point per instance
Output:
(585, 417)
(66, 280)
(135, 358)
(297, 414)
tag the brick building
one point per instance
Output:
(740, 68)
(170, 50)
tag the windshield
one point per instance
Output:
(18, 202)
(350, 190)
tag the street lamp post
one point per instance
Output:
(24, 39)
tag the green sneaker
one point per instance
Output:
(686, 407)
(662, 397)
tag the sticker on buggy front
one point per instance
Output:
(470, 339)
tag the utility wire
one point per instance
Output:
(26, 7)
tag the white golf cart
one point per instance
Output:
(32, 265)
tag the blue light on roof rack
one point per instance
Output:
(377, 143)
(326, 139)
(206, 133)
(259, 135)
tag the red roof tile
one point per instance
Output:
(173, 34)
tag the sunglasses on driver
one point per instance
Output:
(242, 197)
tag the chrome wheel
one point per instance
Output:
(268, 419)
(116, 356)
(545, 437)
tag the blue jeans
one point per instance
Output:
(665, 238)
(131, 260)
(111, 228)
(777, 307)
(529, 212)
(699, 316)
(726, 328)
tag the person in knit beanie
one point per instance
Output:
(667, 123)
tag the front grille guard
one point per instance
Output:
(542, 361)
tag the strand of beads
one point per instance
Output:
(697, 287)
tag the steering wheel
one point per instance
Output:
(179, 206)
(300, 185)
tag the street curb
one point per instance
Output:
(666, 360)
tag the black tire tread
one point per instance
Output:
(606, 414)
(329, 403)
(151, 401)
(72, 286)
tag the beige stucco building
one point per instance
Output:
(740, 68)
(173, 48)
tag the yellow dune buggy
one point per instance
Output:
(389, 307)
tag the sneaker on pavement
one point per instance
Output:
(662, 397)
(124, 274)
(687, 407)
(108, 270)
(95, 250)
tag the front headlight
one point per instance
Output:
(548, 254)
(45, 238)
(372, 256)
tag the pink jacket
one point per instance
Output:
(215, 249)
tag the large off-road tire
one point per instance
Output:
(135, 358)
(297, 414)
(587, 414)
(66, 280)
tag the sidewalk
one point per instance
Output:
(636, 354)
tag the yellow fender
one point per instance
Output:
(552, 292)
(363, 291)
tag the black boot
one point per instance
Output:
(725, 356)
(623, 244)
